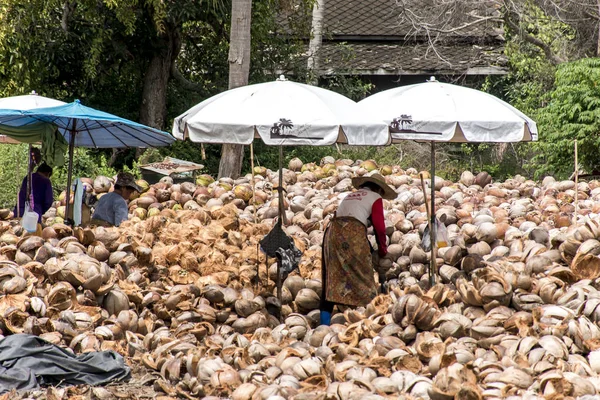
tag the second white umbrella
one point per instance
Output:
(449, 113)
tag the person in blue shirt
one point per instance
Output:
(111, 208)
(41, 188)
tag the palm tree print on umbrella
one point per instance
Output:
(398, 124)
(278, 130)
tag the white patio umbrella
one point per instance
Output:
(442, 112)
(86, 127)
(449, 113)
(280, 113)
(25, 102)
(28, 102)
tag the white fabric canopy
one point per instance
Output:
(448, 113)
(280, 113)
(28, 102)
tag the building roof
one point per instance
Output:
(397, 59)
(376, 37)
(386, 18)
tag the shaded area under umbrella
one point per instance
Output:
(441, 112)
(87, 127)
(27, 102)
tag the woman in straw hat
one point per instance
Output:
(112, 207)
(347, 263)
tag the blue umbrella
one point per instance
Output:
(86, 127)
(89, 127)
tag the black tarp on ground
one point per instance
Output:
(28, 362)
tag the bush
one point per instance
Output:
(87, 165)
(13, 168)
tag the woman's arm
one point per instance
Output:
(379, 226)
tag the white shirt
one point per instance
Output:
(358, 205)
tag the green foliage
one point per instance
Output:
(350, 86)
(527, 85)
(87, 165)
(573, 113)
(13, 167)
(101, 53)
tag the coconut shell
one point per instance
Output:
(586, 266)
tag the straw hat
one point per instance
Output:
(388, 192)
(125, 179)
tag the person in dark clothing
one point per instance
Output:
(41, 190)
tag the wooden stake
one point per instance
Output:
(433, 274)
(253, 181)
(279, 288)
(425, 194)
(576, 186)
(431, 271)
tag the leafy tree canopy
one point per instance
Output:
(573, 113)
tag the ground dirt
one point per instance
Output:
(141, 386)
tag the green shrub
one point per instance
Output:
(13, 168)
(88, 165)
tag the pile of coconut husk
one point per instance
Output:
(183, 290)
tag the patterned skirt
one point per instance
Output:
(347, 266)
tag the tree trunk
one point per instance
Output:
(153, 110)
(239, 68)
(316, 39)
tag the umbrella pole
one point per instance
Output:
(281, 220)
(433, 265)
(280, 187)
(70, 171)
(253, 180)
(254, 211)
